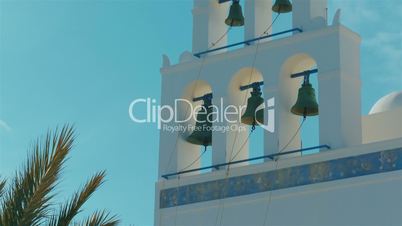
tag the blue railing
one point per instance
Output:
(272, 157)
(247, 42)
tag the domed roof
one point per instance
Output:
(387, 103)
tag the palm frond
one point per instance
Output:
(2, 186)
(27, 202)
(72, 208)
(101, 218)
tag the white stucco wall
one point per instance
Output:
(354, 201)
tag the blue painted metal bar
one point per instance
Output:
(247, 42)
(255, 84)
(272, 157)
(304, 73)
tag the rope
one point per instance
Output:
(186, 112)
(242, 146)
(276, 167)
(220, 39)
(177, 200)
(294, 136)
(195, 88)
(252, 70)
(196, 160)
(178, 183)
(221, 210)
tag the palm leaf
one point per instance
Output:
(72, 208)
(101, 218)
(2, 186)
(27, 202)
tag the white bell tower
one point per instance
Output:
(333, 49)
(241, 196)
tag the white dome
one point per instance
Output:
(387, 103)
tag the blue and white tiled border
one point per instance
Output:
(366, 164)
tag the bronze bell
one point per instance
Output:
(250, 116)
(282, 6)
(235, 18)
(306, 104)
(202, 134)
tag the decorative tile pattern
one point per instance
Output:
(367, 164)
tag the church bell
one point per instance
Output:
(251, 116)
(282, 6)
(306, 104)
(235, 18)
(202, 134)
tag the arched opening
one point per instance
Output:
(243, 143)
(294, 132)
(201, 155)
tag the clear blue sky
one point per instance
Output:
(84, 61)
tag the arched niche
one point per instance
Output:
(239, 141)
(288, 123)
(194, 89)
(244, 76)
(288, 86)
(189, 155)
